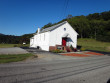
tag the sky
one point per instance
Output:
(18, 17)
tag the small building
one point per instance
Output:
(60, 36)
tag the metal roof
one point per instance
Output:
(52, 27)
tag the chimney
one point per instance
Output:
(38, 30)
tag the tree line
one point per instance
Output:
(96, 25)
(11, 39)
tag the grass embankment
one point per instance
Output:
(92, 44)
(13, 57)
(13, 45)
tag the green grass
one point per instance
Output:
(13, 57)
(12, 45)
(92, 44)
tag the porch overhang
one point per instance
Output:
(66, 35)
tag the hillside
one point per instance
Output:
(96, 26)
(11, 39)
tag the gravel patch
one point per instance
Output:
(13, 50)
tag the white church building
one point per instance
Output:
(60, 36)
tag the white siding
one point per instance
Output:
(39, 41)
(31, 42)
(52, 38)
(56, 35)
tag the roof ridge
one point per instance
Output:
(53, 27)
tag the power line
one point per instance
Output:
(64, 9)
(66, 6)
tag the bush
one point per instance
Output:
(19, 45)
(75, 50)
(71, 47)
(62, 51)
(82, 49)
(79, 47)
(15, 45)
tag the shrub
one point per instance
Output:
(75, 50)
(79, 47)
(71, 47)
(82, 49)
(20, 45)
(62, 51)
(15, 45)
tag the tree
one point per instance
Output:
(47, 25)
(81, 25)
(95, 16)
(105, 15)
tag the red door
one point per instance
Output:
(64, 41)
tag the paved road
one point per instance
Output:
(94, 69)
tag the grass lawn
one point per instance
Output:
(92, 44)
(12, 45)
(13, 57)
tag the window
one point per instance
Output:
(64, 29)
(40, 37)
(44, 36)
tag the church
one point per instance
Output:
(60, 36)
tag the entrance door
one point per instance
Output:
(64, 41)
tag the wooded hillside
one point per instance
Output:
(95, 25)
(11, 39)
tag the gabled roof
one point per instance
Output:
(52, 27)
